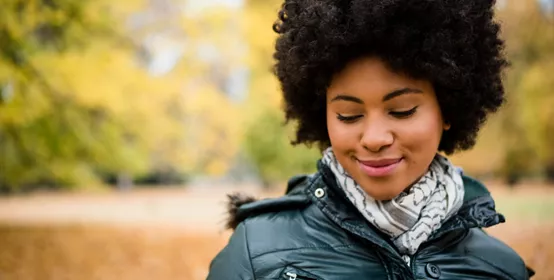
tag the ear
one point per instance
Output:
(446, 126)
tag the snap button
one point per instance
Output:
(319, 193)
(433, 271)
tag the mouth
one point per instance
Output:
(379, 168)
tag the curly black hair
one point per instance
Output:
(455, 44)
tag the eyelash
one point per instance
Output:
(404, 114)
(399, 115)
(348, 119)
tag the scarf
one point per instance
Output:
(411, 217)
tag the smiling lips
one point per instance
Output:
(379, 168)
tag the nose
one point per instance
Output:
(377, 136)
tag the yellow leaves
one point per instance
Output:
(100, 10)
(536, 98)
(109, 79)
(213, 129)
(265, 91)
(26, 103)
(71, 174)
(266, 140)
(258, 22)
(16, 24)
(81, 103)
(95, 77)
(257, 25)
(489, 146)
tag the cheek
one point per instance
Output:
(424, 133)
(342, 136)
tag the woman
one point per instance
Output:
(381, 86)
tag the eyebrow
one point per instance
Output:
(347, 98)
(387, 97)
(399, 92)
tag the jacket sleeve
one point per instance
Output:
(233, 262)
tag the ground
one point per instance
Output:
(174, 233)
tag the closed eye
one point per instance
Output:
(403, 114)
(348, 119)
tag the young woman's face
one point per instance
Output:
(384, 127)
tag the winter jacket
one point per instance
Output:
(315, 232)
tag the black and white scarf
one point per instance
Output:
(411, 217)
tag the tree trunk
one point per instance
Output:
(549, 172)
(124, 182)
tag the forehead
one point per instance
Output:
(371, 75)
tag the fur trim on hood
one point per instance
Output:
(236, 200)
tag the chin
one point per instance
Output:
(385, 197)
(382, 195)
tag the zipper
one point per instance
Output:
(408, 260)
(411, 264)
(291, 275)
(296, 274)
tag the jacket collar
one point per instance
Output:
(478, 209)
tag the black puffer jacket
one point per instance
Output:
(314, 232)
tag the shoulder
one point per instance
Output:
(272, 234)
(242, 207)
(483, 252)
(495, 254)
(290, 222)
(473, 188)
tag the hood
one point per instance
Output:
(235, 201)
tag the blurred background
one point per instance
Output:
(123, 125)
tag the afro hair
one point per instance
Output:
(454, 44)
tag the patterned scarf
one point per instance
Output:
(411, 217)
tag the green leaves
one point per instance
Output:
(267, 143)
(67, 109)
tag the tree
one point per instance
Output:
(74, 104)
(529, 32)
(267, 139)
(84, 98)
